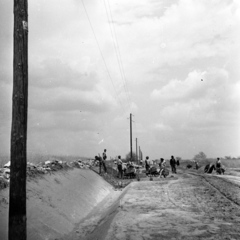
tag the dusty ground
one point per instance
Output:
(189, 205)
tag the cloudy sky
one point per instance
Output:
(173, 64)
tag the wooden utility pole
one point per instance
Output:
(140, 154)
(17, 229)
(137, 152)
(130, 137)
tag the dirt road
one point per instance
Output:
(186, 206)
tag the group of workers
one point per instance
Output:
(148, 164)
(210, 167)
(123, 167)
(101, 160)
(162, 165)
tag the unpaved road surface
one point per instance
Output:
(184, 206)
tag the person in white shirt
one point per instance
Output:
(147, 164)
(162, 166)
(119, 165)
(104, 157)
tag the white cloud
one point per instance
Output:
(166, 48)
(63, 99)
(162, 127)
(198, 84)
(202, 98)
(54, 73)
(189, 31)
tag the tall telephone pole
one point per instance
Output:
(17, 196)
(140, 157)
(137, 152)
(131, 136)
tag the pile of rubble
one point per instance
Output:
(4, 175)
(43, 168)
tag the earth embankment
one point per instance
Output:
(56, 202)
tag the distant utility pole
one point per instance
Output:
(130, 137)
(17, 229)
(140, 154)
(137, 152)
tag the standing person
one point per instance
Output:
(162, 166)
(196, 165)
(177, 162)
(99, 161)
(147, 165)
(218, 163)
(119, 165)
(219, 167)
(104, 157)
(173, 164)
(150, 162)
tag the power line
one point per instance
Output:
(101, 52)
(119, 53)
(117, 50)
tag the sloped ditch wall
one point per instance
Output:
(56, 202)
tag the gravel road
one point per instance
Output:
(187, 206)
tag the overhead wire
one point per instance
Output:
(118, 52)
(116, 47)
(101, 53)
(120, 57)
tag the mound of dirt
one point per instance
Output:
(49, 166)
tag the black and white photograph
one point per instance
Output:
(119, 119)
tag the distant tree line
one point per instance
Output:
(200, 156)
